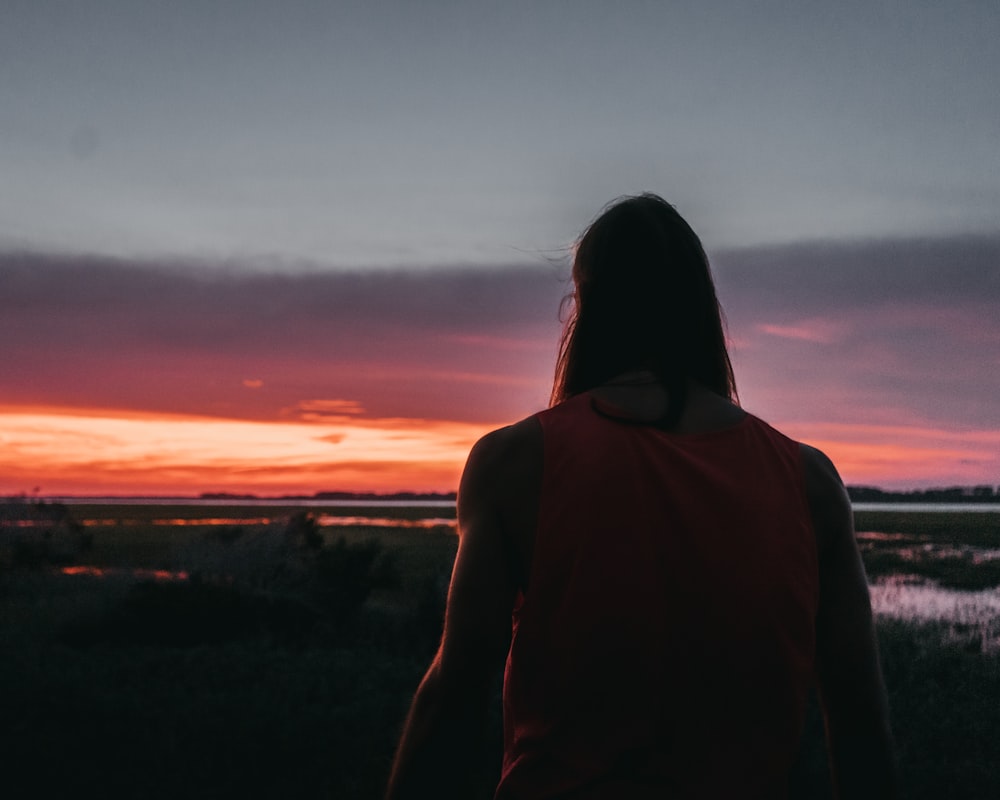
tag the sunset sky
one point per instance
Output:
(303, 246)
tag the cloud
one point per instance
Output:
(901, 456)
(802, 279)
(99, 332)
(324, 410)
(497, 342)
(67, 452)
(867, 331)
(901, 330)
(818, 331)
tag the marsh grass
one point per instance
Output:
(945, 713)
(147, 513)
(242, 712)
(956, 550)
(980, 529)
(196, 688)
(952, 572)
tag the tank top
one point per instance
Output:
(664, 645)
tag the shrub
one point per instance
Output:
(35, 533)
(283, 581)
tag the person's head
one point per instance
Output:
(644, 300)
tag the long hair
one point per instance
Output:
(644, 299)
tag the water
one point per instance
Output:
(283, 502)
(968, 616)
(932, 508)
(323, 520)
(131, 573)
(431, 516)
(921, 548)
(312, 502)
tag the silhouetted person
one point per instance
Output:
(665, 574)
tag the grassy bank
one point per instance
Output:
(954, 549)
(97, 693)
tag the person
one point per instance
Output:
(663, 574)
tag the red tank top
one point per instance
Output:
(665, 643)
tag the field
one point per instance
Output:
(239, 651)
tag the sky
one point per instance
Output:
(304, 246)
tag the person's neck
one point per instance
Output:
(637, 395)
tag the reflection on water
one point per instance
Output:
(385, 522)
(976, 555)
(180, 522)
(932, 550)
(922, 548)
(929, 508)
(324, 520)
(969, 615)
(117, 572)
(290, 502)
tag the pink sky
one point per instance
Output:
(120, 378)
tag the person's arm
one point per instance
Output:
(852, 693)
(440, 752)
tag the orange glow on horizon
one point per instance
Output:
(110, 452)
(904, 456)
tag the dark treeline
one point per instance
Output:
(951, 494)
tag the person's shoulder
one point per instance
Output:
(829, 504)
(503, 467)
(510, 443)
(821, 476)
(825, 493)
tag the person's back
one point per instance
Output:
(663, 573)
(664, 641)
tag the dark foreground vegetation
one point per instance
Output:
(278, 661)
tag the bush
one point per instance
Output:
(283, 582)
(176, 614)
(35, 533)
(345, 575)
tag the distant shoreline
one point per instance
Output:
(952, 496)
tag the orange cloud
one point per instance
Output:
(325, 410)
(66, 451)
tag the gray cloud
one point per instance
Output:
(811, 277)
(180, 336)
(887, 330)
(892, 332)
